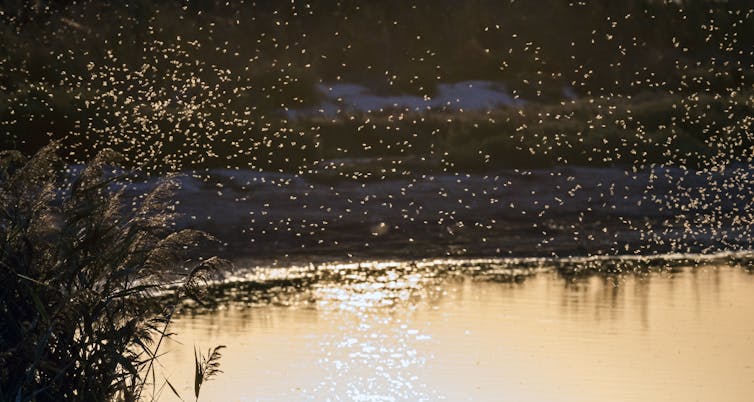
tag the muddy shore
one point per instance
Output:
(557, 212)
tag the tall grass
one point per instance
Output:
(205, 367)
(82, 267)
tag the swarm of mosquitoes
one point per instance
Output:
(241, 117)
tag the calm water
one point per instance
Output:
(410, 334)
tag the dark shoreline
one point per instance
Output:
(559, 212)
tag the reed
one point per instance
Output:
(91, 278)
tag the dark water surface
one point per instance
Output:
(405, 332)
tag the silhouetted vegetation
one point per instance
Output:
(82, 267)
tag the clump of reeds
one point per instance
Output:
(81, 266)
(205, 367)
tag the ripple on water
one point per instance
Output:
(481, 329)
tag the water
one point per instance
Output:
(407, 332)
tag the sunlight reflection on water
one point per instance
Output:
(388, 332)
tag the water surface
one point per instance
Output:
(405, 333)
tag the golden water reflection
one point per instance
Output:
(405, 335)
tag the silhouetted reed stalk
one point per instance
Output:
(90, 279)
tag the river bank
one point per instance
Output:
(560, 212)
